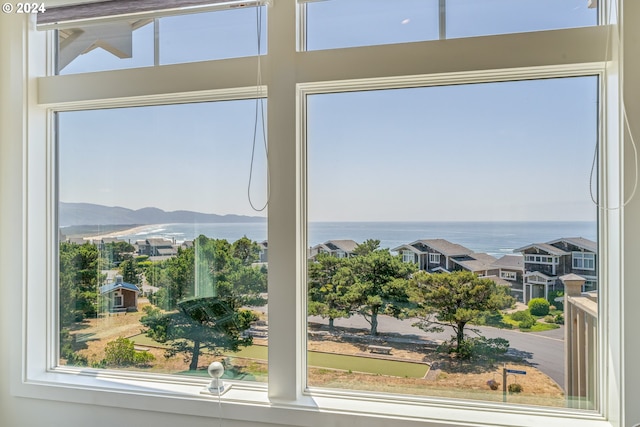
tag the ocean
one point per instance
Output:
(494, 238)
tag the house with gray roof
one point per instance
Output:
(432, 255)
(156, 247)
(477, 263)
(78, 240)
(337, 248)
(119, 296)
(511, 270)
(544, 263)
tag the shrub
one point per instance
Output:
(549, 319)
(121, 352)
(521, 315)
(143, 358)
(514, 388)
(527, 323)
(524, 318)
(552, 299)
(559, 319)
(479, 348)
(493, 384)
(539, 307)
(67, 351)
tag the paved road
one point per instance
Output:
(544, 350)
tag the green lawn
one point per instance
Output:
(327, 360)
(538, 327)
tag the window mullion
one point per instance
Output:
(286, 225)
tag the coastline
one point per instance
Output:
(123, 232)
(116, 231)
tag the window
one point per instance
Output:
(583, 260)
(408, 256)
(334, 24)
(148, 40)
(508, 275)
(411, 134)
(288, 214)
(188, 194)
(540, 259)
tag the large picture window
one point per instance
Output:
(158, 241)
(144, 256)
(426, 328)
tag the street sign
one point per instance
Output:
(515, 371)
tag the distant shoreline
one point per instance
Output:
(102, 231)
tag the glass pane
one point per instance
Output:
(212, 35)
(133, 43)
(500, 189)
(346, 23)
(162, 259)
(468, 18)
(335, 23)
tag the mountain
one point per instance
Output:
(90, 214)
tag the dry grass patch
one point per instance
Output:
(447, 378)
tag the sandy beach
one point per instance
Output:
(124, 232)
(115, 231)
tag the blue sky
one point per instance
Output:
(501, 151)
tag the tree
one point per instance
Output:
(131, 272)
(217, 323)
(79, 279)
(208, 286)
(327, 287)
(246, 250)
(378, 285)
(114, 253)
(455, 299)
(366, 247)
(180, 274)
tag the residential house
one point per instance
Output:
(511, 270)
(119, 296)
(156, 247)
(432, 255)
(478, 263)
(264, 250)
(78, 240)
(582, 260)
(544, 263)
(101, 243)
(337, 248)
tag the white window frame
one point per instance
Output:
(434, 258)
(508, 275)
(408, 256)
(541, 259)
(118, 295)
(32, 225)
(582, 257)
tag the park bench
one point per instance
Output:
(380, 349)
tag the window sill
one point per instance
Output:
(186, 396)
